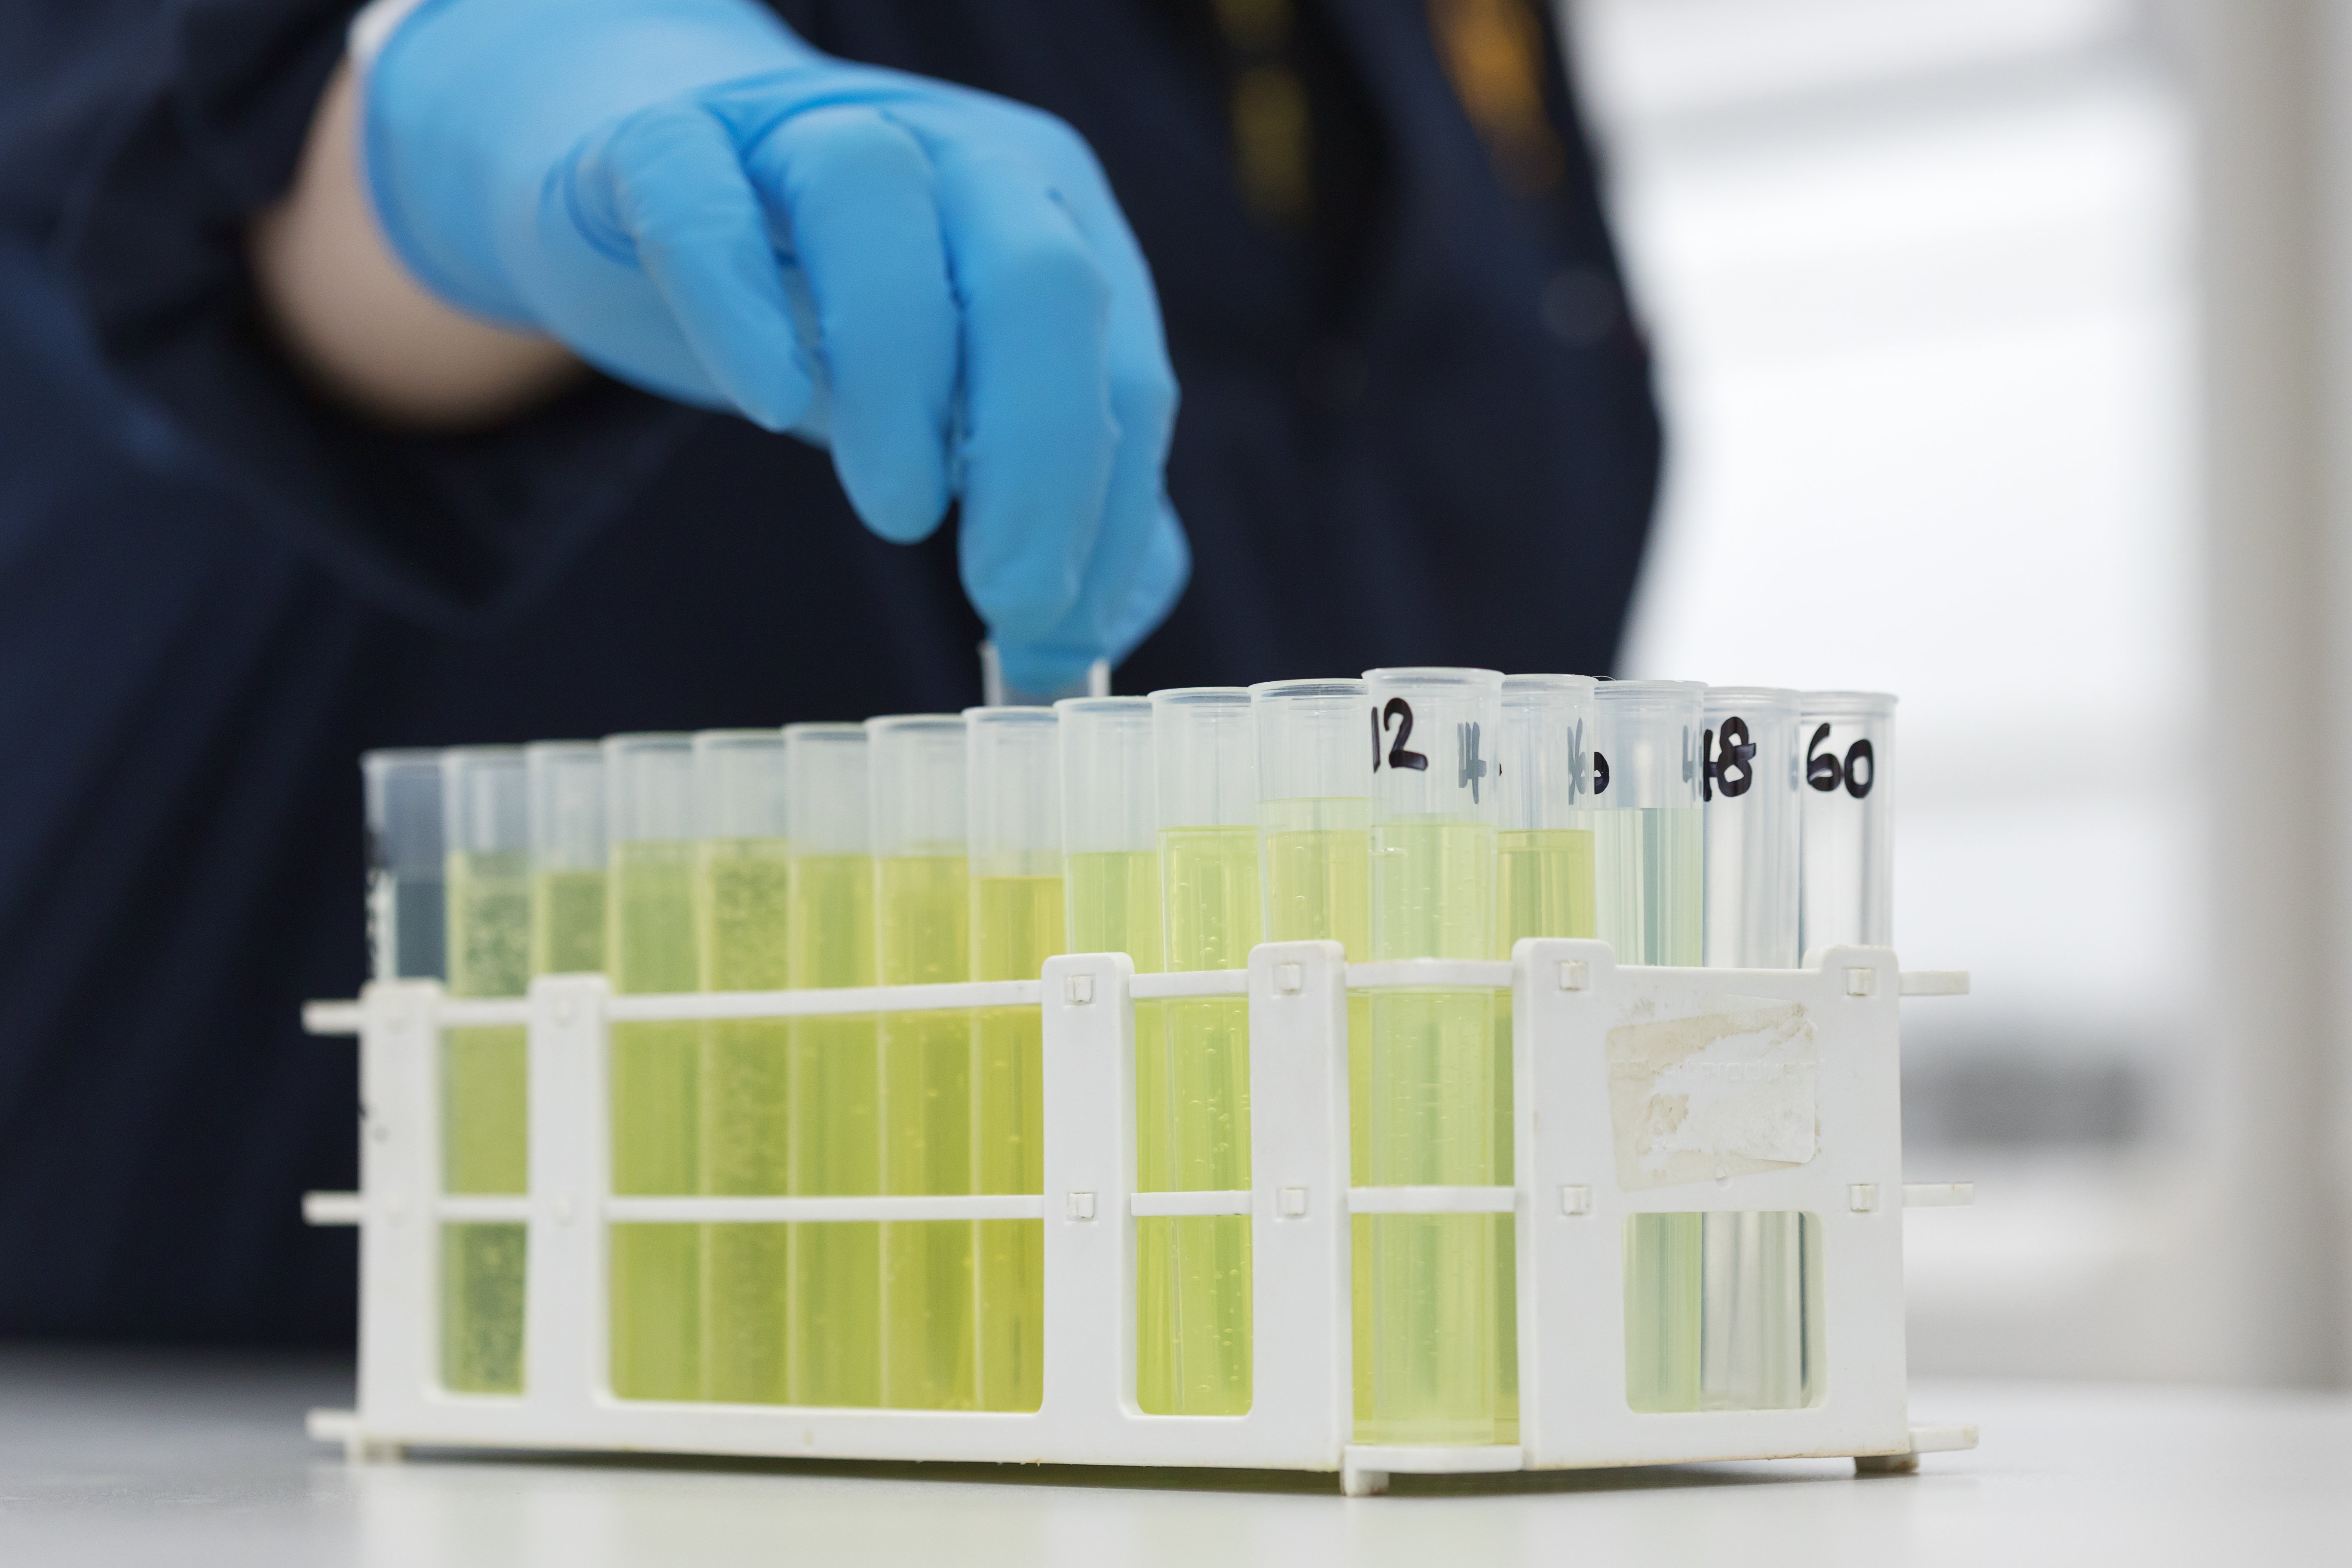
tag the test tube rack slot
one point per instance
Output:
(1587, 1034)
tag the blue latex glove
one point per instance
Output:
(933, 282)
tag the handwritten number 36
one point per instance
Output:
(1859, 772)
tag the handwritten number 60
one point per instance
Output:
(1857, 774)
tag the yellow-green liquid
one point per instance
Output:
(923, 926)
(1318, 870)
(1722, 1311)
(834, 1098)
(567, 923)
(656, 1269)
(1543, 886)
(485, 1124)
(1438, 1314)
(1016, 925)
(1191, 1120)
(741, 922)
(1650, 890)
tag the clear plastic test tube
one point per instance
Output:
(834, 1349)
(1014, 806)
(1649, 848)
(1192, 1105)
(656, 1268)
(1751, 784)
(1848, 881)
(567, 856)
(402, 803)
(741, 877)
(1649, 863)
(922, 918)
(1432, 1281)
(1109, 829)
(485, 812)
(1752, 1270)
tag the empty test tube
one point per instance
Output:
(655, 1269)
(567, 856)
(1014, 809)
(834, 1097)
(1429, 1109)
(402, 791)
(1750, 785)
(1192, 1101)
(484, 1071)
(1848, 880)
(922, 920)
(741, 875)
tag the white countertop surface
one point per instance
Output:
(117, 1457)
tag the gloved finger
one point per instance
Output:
(1160, 580)
(856, 194)
(1040, 432)
(669, 183)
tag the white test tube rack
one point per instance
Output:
(1570, 1205)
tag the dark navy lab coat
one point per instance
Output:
(1416, 428)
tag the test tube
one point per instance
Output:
(1848, 881)
(1014, 803)
(1109, 829)
(1543, 886)
(922, 918)
(567, 856)
(1650, 833)
(834, 1356)
(485, 812)
(1429, 1109)
(1191, 1106)
(1314, 824)
(1649, 868)
(1752, 1268)
(656, 1068)
(1751, 784)
(741, 878)
(402, 791)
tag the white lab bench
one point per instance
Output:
(110, 1456)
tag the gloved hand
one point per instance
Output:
(934, 282)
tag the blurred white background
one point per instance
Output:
(1923, 278)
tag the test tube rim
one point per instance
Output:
(1465, 676)
(1353, 687)
(823, 730)
(1779, 696)
(914, 723)
(1878, 703)
(533, 750)
(1108, 707)
(1011, 715)
(1536, 684)
(1201, 697)
(1646, 688)
(394, 755)
(718, 738)
(648, 740)
(482, 753)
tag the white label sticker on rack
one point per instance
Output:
(1730, 1093)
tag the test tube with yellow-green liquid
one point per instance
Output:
(833, 1355)
(1650, 835)
(922, 925)
(1315, 816)
(656, 1269)
(1543, 886)
(1191, 1100)
(485, 1146)
(1111, 856)
(567, 856)
(1013, 807)
(741, 872)
(1429, 1111)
